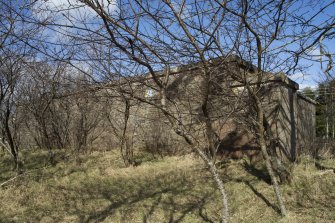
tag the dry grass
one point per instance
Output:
(173, 189)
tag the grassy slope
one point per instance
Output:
(175, 189)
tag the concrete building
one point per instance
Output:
(290, 115)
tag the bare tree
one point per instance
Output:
(314, 33)
(87, 114)
(13, 56)
(259, 37)
(118, 116)
(10, 72)
(130, 41)
(143, 52)
(50, 119)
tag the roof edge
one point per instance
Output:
(308, 99)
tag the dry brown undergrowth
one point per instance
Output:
(173, 189)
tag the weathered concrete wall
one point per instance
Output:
(292, 121)
(305, 124)
(290, 116)
(283, 121)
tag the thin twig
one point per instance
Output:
(11, 179)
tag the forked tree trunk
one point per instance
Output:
(262, 144)
(207, 159)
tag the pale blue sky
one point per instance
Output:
(309, 77)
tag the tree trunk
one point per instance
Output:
(262, 144)
(207, 159)
(214, 172)
(11, 143)
(125, 147)
(219, 183)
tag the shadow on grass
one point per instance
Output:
(33, 165)
(168, 197)
(260, 174)
(321, 166)
(40, 158)
(262, 197)
(256, 192)
(6, 168)
(174, 210)
(152, 208)
(317, 208)
(263, 176)
(196, 205)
